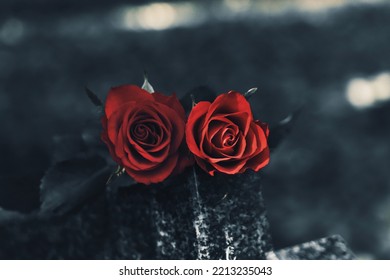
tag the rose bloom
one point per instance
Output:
(224, 137)
(145, 133)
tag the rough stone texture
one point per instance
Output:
(193, 216)
(234, 210)
(151, 222)
(328, 248)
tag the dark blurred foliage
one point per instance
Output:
(330, 176)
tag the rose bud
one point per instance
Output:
(224, 137)
(145, 133)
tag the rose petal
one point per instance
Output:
(146, 112)
(135, 161)
(185, 160)
(241, 119)
(123, 141)
(225, 121)
(218, 138)
(156, 175)
(119, 144)
(264, 126)
(205, 165)
(121, 95)
(116, 120)
(136, 157)
(156, 157)
(230, 167)
(213, 127)
(195, 119)
(251, 144)
(177, 126)
(172, 102)
(260, 135)
(223, 136)
(259, 161)
(231, 102)
(235, 152)
(161, 136)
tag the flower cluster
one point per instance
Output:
(151, 138)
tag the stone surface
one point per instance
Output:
(193, 216)
(328, 248)
(233, 207)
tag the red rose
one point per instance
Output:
(145, 133)
(224, 137)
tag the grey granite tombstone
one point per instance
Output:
(193, 216)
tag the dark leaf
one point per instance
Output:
(94, 98)
(91, 137)
(202, 93)
(66, 146)
(279, 131)
(67, 184)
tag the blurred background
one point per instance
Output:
(330, 176)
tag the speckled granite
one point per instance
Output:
(328, 248)
(194, 216)
(233, 207)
